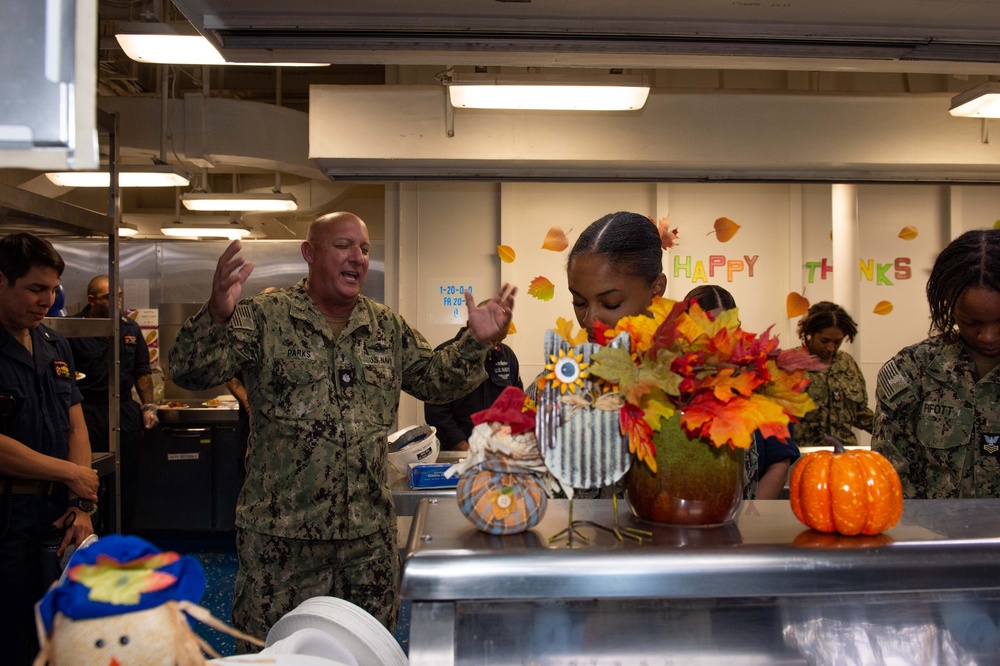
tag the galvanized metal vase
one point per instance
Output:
(695, 484)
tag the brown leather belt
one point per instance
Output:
(29, 487)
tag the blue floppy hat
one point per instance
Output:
(121, 574)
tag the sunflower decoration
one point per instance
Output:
(566, 370)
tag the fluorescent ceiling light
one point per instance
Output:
(126, 229)
(276, 201)
(983, 101)
(549, 92)
(154, 175)
(179, 44)
(230, 231)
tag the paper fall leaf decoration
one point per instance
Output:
(795, 304)
(725, 229)
(908, 233)
(542, 288)
(555, 240)
(506, 253)
(511, 330)
(668, 238)
(883, 308)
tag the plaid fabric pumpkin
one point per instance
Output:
(501, 502)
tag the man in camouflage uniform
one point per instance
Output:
(938, 425)
(323, 368)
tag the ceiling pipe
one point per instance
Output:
(277, 102)
(164, 108)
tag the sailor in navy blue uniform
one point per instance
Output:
(45, 461)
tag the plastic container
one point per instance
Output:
(423, 449)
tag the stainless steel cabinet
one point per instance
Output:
(763, 590)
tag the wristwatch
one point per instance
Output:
(84, 505)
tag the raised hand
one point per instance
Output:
(227, 283)
(487, 323)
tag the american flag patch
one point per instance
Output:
(242, 318)
(891, 380)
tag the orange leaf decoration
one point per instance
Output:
(640, 435)
(725, 229)
(733, 422)
(668, 238)
(555, 240)
(727, 386)
(883, 308)
(724, 382)
(795, 304)
(788, 390)
(542, 288)
(511, 330)
(506, 253)
(908, 233)
(564, 327)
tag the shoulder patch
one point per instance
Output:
(890, 380)
(242, 318)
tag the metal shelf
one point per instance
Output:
(66, 219)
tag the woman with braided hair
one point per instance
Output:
(839, 392)
(938, 401)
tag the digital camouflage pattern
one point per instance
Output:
(366, 576)
(321, 408)
(841, 399)
(938, 427)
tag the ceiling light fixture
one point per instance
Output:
(228, 231)
(983, 101)
(154, 175)
(609, 92)
(180, 44)
(126, 229)
(206, 201)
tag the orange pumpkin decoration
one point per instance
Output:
(848, 492)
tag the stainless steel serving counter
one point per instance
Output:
(406, 498)
(761, 590)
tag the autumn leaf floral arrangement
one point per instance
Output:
(726, 383)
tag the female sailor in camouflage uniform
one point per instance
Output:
(839, 392)
(323, 367)
(938, 412)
